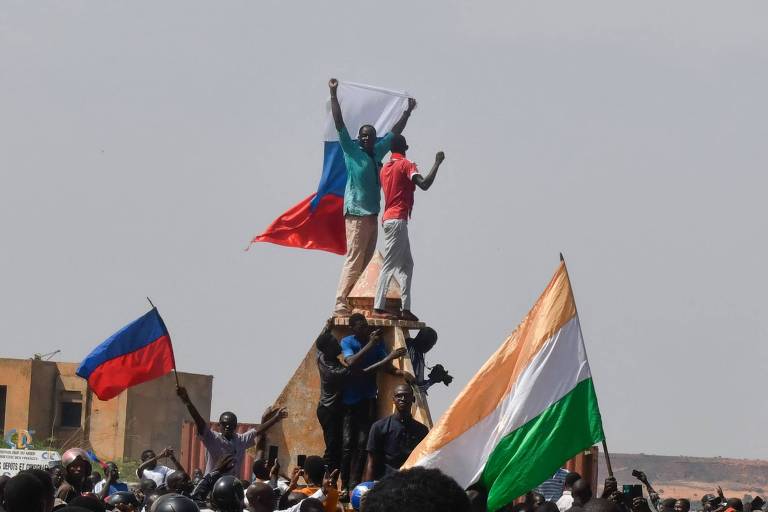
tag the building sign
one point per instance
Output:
(19, 438)
(13, 461)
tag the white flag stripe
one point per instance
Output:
(365, 104)
(555, 370)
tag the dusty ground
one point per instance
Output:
(692, 477)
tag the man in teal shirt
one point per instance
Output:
(361, 196)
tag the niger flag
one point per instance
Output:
(531, 407)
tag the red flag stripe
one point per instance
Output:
(322, 229)
(150, 362)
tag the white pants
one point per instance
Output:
(398, 262)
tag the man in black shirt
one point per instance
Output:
(330, 409)
(417, 347)
(392, 439)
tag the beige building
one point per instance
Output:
(49, 400)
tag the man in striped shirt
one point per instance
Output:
(552, 489)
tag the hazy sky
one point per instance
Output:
(142, 144)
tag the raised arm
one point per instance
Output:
(201, 424)
(424, 183)
(357, 358)
(387, 366)
(387, 361)
(168, 452)
(333, 85)
(397, 372)
(279, 416)
(172, 457)
(652, 494)
(400, 124)
(144, 465)
(109, 478)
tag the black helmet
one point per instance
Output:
(122, 498)
(174, 503)
(227, 494)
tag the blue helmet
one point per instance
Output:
(358, 492)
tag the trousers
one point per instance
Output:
(332, 422)
(357, 424)
(398, 262)
(362, 232)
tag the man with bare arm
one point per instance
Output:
(361, 195)
(399, 179)
(228, 442)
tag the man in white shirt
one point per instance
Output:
(151, 470)
(566, 500)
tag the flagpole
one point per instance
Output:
(175, 373)
(605, 445)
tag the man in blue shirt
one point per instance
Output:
(359, 394)
(111, 483)
(361, 195)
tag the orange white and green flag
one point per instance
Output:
(531, 407)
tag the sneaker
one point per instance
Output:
(408, 316)
(383, 314)
(342, 310)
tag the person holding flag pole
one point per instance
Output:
(228, 442)
(142, 351)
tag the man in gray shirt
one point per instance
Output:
(228, 441)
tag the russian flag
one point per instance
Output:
(317, 222)
(138, 352)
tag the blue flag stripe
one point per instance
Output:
(334, 177)
(138, 334)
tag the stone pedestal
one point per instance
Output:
(300, 432)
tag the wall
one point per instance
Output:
(149, 415)
(585, 464)
(42, 398)
(155, 414)
(103, 415)
(17, 375)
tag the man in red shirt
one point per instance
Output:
(399, 178)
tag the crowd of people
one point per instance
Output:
(311, 488)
